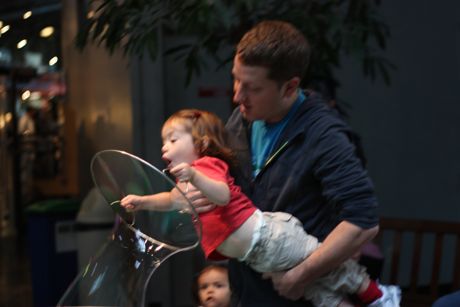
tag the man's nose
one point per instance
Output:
(238, 94)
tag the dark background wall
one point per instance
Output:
(410, 128)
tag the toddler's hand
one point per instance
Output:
(183, 172)
(131, 202)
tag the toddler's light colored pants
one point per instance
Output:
(282, 243)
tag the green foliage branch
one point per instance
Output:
(334, 28)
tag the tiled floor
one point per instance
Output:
(15, 281)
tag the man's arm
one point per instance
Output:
(344, 241)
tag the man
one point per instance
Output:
(294, 155)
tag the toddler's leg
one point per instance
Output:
(347, 278)
(346, 303)
(282, 243)
(321, 296)
(333, 288)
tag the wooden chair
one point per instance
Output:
(417, 294)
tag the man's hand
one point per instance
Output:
(196, 198)
(286, 284)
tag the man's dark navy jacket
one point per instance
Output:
(314, 174)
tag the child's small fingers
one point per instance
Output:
(126, 204)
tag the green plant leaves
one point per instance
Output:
(333, 28)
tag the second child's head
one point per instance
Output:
(213, 288)
(190, 134)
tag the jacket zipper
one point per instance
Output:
(272, 157)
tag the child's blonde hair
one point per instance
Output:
(208, 133)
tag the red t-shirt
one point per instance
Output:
(219, 223)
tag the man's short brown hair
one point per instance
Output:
(277, 46)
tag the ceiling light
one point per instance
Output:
(27, 14)
(5, 29)
(21, 43)
(53, 60)
(25, 95)
(47, 31)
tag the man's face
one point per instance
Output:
(258, 97)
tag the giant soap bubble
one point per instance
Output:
(120, 271)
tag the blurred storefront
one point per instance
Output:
(37, 129)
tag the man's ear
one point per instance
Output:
(291, 86)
